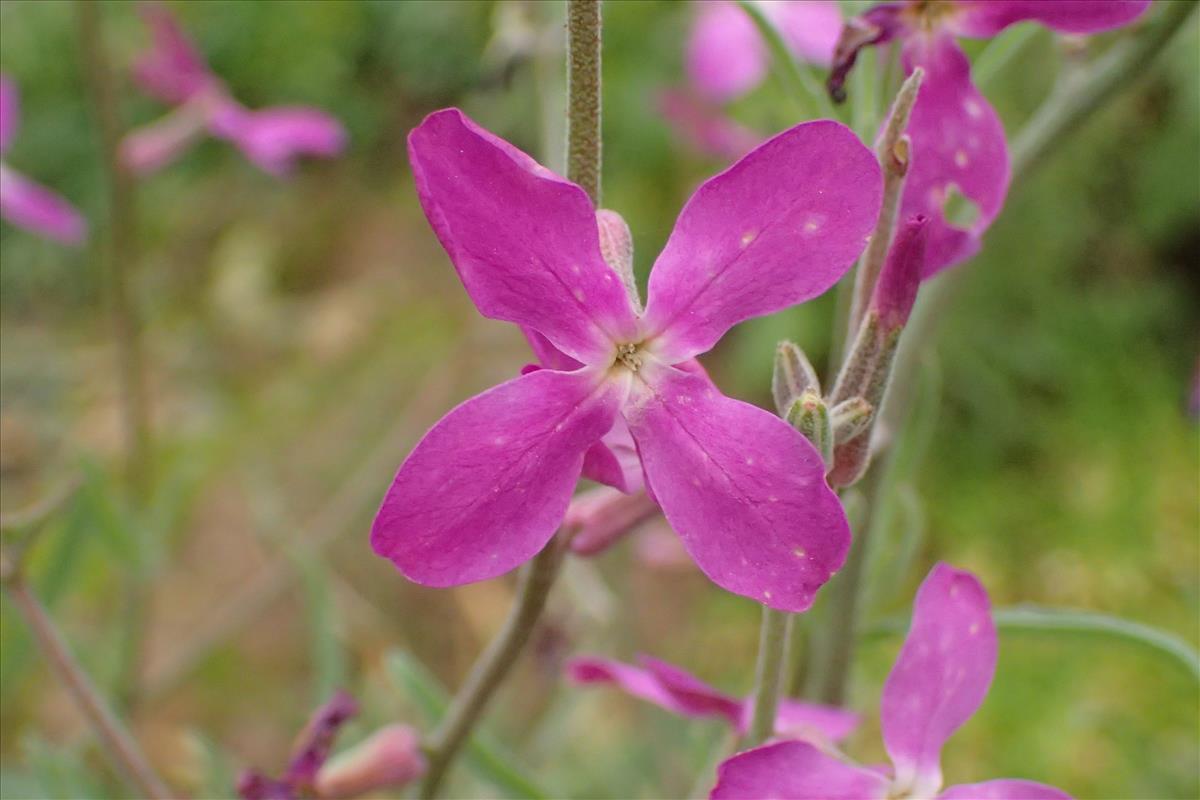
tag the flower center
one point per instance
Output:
(629, 356)
(928, 13)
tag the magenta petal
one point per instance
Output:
(172, 69)
(659, 683)
(1004, 789)
(810, 27)
(275, 138)
(957, 141)
(489, 484)
(602, 516)
(744, 490)
(798, 720)
(36, 208)
(794, 771)
(524, 241)
(986, 18)
(151, 147)
(940, 677)
(725, 54)
(780, 226)
(10, 112)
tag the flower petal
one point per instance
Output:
(957, 146)
(524, 241)
(986, 18)
(1004, 789)
(488, 485)
(172, 69)
(797, 720)
(794, 771)
(810, 27)
(10, 111)
(151, 147)
(780, 226)
(745, 492)
(725, 56)
(36, 208)
(275, 138)
(940, 677)
(659, 683)
(603, 515)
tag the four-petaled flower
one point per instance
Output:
(669, 687)
(958, 144)
(174, 72)
(488, 485)
(23, 202)
(938, 681)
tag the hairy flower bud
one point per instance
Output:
(616, 246)
(793, 376)
(850, 418)
(390, 757)
(896, 291)
(810, 416)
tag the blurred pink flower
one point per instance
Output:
(23, 202)
(938, 681)
(391, 757)
(669, 687)
(489, 484)
(958, 144)
(174, 72)
(727, 57)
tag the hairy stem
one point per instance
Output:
(583, 96)
(120, 745)
(121, 252)
(772, 651)
(493, 665)
(120, 257)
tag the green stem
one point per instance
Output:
(772, 650)
(583, 96)
(999, 52)
(493, 665)
(120, 258)
(798, 80)
(120, 745)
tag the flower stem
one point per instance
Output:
(798, 79)
(122, 748)
(583, 96)
(121, 253)
(772, 652)
(120, 257)
(493, 665)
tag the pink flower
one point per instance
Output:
(174, 71)
(671, 688)
(487, 487)
(958, 144)
(727, 57)
(940, 678)
(23, 202)
(391, 757)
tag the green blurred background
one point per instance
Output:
(301, 334)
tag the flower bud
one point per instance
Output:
(793, 376)
(810, 416)
(850, 418)
(896, 291)
(616, 246)
(390, 757)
